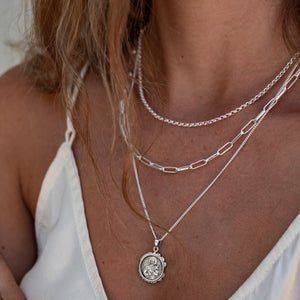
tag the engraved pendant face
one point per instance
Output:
(151, 267)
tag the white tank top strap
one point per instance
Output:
(73, 92)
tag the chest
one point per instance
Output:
(219, 243)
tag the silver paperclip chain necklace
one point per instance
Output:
(175, 169)
(152, 264)
(206, 122)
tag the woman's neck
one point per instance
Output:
(215, 50)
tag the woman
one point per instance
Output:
(200, 60)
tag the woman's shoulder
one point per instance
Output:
(32, 126)
(21, 100)
(27, 115)
(16, 227)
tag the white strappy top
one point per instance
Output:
(66, 267)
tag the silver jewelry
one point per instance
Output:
(151, 266)
(206, 122)
(172, 169)
(194, 165)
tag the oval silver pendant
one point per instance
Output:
(151, 267)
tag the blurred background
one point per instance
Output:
(11, 30)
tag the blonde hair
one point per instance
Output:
(65, 34)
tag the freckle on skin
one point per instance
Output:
(3, 247)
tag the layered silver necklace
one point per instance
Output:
(152, 264)
(203, 161)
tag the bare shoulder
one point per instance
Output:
(32, 123)
(17, 244)
(22, 104)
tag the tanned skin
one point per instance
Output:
(212, 59)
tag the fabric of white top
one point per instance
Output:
(66, 268)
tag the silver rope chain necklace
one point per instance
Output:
(206, 122)
(152, 264)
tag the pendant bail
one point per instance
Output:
(156, 246)
(157, 243)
